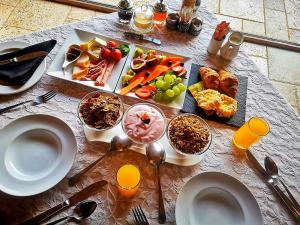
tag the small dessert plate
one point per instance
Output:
(37, 152)
(6, 89)
(217, 199)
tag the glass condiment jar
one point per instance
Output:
(160, 12)
(125, 11)
(143, 19)
(186, 15)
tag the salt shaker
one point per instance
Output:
(125, 11)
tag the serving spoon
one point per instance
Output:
(71, 56)
(82, 210)
(156, 156)
(272, 170)
(117, 143)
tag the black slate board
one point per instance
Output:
(190, 104)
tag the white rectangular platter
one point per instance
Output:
(78, 37)
(171, 155)
(178, 102)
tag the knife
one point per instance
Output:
(129, 34)
(77, 197)
(25, 57)
(288, 203)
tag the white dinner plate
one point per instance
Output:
(37, 151)
(78, 37)
(10, 46)
(178, 102)
(214, 198)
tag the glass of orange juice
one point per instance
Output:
(250, 133)
(128, 180)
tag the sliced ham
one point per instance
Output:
(101, 80)
(98, 70)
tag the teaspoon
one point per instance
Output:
(81, 211)
(156, 156)
(117, 143)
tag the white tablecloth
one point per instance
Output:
(282, 143)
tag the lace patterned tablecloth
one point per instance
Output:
(282, 143)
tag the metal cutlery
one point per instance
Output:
(287, 202)
(272, 170)
(117, 143)
(26, 57)
(73, 200)
(139, 216)
(82, 210)
(156, 156)
(129, 34)
(36, 101)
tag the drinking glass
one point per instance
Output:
(160, 12)
(142, 19)
(128, 180)
(250, 133)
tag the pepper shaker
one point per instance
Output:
(125, 11)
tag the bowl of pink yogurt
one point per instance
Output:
(144, 123)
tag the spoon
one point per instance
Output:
(117, 143)
(272, 170)
(81, 211)
(156, 156)
(71, 56)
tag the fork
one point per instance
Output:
(36, 101)
(139, 216)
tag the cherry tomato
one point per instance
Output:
(116, 54)
(105, 53)
(111, 44)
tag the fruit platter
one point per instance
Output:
(155, 76)
(91, 59)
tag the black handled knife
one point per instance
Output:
(77, 197)
(129, 34)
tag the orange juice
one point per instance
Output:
(160, 17)
(250, 133)
(128, 180)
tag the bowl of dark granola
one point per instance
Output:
(189, 134)
(100, 110)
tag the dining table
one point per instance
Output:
(263, 100)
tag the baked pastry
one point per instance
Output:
(210, 78)
(208, 99)
(228, 83)
(227, 107)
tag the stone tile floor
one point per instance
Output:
(273, 18)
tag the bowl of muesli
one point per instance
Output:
(189, 134)
(100, 110)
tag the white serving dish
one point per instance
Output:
(171, 155)
(178, 102)
(37, 151)
(78, 37)
(10, 46)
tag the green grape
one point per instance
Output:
(152, 84)
(168, 78)
(181, 87)
(158, 97)
(159, 78)
(170, 93)
(174, 76)
(178, 80)
(160, 84)
(176, 90)
(166, 86)
(166, 98)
